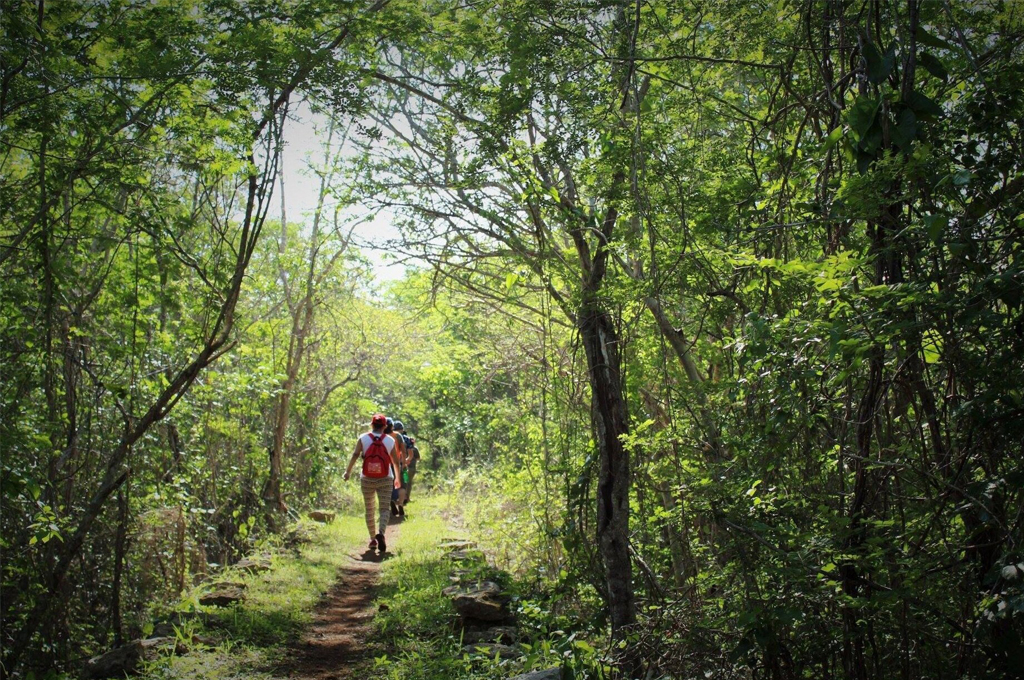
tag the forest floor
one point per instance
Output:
(335, 645)
(332, 610)
(318, 613)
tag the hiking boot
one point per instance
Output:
(373, 544)
(381, 545)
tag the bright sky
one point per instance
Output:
(304, 137)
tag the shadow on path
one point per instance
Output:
(336, 642)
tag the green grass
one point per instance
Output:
(278, 607)
(416, 636)
(417, 624)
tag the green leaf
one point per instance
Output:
(926, 38)
(879, 66)
(864, 161)
(872, 141)
(936, 225)
(932, 64)
(923, 106)
(905, 130)
(862, 114)
(833, 138)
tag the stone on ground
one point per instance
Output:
(483, 603)
(546, 674)
(223, 594)
(125, 660)
(471, 556)
(254, 564)
(482, 587)
(322, 516)
(449, 546)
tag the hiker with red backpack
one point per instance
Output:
(379, 452)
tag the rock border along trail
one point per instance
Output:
(335, 644)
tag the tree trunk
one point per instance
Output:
(609, 422)
(679, 346)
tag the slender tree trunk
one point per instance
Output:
(680, 347)
(609, 421)
(119, 550)
(302, 322)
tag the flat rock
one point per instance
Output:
(223, 594)
(480, 587)
(255, 564)
(322, 516)
(503, 634)
(125, 660)
(457, 575)
(483, 604)
(491, 648)
(206, 640)
(152, 647)
(546, 674)
(163, 629)
(474, 556)
(115, 663)
(449, 546)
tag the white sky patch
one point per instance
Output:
(305, 135)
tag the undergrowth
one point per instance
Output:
(417, 637)
(249, 636)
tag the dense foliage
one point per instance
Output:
(720, 308)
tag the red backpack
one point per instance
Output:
(376, 459)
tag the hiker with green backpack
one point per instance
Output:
(402, 495)
(412, 460)
(379, 452)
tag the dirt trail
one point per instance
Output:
(335, 644)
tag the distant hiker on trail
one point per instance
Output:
(396, 510)
(403, 480)
(413, 458)
(379, 451)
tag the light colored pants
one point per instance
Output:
(378, 490)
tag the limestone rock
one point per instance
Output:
(490, 649)
(482, 587)
(115, 663)
(125, 660)
(484, 603)
(163, 629)
(457, 575)
(153, 647)
(223, 594)
(322, 516)
(254, 564)
(471, 556)
(546, 674)
(450, 546)
(206, 640)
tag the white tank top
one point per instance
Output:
(389, 444)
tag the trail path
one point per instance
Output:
(335, 644)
